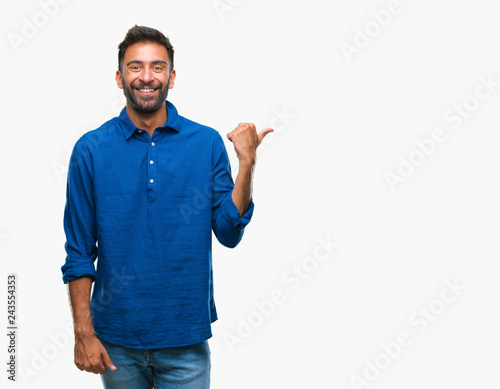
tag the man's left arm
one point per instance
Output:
(232, 205)
(245, 140)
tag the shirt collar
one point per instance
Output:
(172, 122)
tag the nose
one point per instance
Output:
(146, 74)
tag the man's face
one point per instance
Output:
(145, 77)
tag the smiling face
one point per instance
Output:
(145, 77)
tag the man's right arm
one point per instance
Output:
(90, 354)
(78, 270)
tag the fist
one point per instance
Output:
(246, 140)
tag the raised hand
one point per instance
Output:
(246, 140)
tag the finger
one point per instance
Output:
(107, 360)
(263, 133)
(230, 136)
(244, 126)
(90, 368)
(99, 369)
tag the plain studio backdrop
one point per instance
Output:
(372, 256)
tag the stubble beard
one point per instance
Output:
(148, 104)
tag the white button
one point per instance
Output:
(151, 162)
(152, 143)
(151, 180)
(140, 131)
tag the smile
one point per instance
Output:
(146, 91)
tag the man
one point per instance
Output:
(145, 191)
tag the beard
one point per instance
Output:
(146, 104)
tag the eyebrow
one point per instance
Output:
(153, 62)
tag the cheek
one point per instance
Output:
(130, 81)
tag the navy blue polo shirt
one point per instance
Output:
(138, 219)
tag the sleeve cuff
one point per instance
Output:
(231, 213)
(77, 268)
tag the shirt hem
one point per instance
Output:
(183, 344)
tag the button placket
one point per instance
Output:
(152, 171)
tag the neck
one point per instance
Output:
(147, 121)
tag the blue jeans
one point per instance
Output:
(185, 367)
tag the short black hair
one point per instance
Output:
(140, 34)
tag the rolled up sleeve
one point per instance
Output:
(79, 216)
(227, 225)
(232, 215)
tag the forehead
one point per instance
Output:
(145, 52)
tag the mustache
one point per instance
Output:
(144, 85)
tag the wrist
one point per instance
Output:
(83, 329)
(84, 334)
(247, 163)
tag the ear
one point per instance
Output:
(118, 78)
(172, 79)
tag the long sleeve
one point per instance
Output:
(228, 227)
(80, 216)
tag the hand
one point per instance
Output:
(91, 356)
(246, 140)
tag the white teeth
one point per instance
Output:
(146, 90)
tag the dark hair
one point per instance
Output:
(140, 34)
